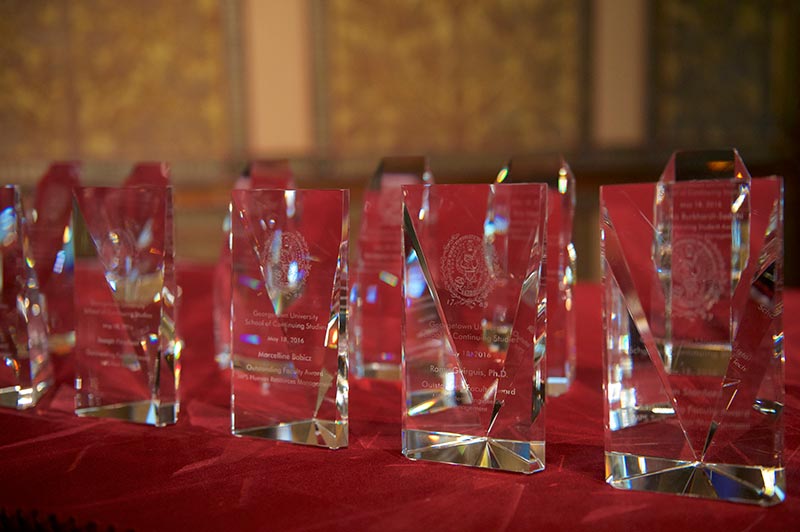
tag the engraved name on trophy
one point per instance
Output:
(376, 300)
(693, 322)
(25, 370)
(127, 355)
(562, 260)
(259, 174)
(289, 310)
(474, 325)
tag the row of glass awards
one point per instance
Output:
(90, 269)
(454, 295)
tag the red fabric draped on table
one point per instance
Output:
(57, 468)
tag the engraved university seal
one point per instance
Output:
(288, 265)
(698, 273)
(465, 271)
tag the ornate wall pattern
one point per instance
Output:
(103, 79)
(35, 106)
(717, 73)
(450, 76)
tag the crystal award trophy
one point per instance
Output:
(289, 308)
(474, 325)
(25, 371)
(127, 355)
(692, 315)
(376, 299)
(51, 246)
(260, 174)
(562, 261)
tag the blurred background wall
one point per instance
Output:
(616, 85)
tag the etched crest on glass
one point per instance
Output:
(289, 308)
(474, 325)
(127, 354)
(25, 370)
(694, 339)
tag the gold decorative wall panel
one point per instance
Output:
(35, 100)
(450, 76)
(104, 79)
(718, 75)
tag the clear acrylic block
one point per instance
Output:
(127, 354)
(474, 325)
(289, 316)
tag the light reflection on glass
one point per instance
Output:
(58, 265)
(372, 294)
(289, 198)
(249, 282)
(292, 274)
(251, 339)
(389, 278)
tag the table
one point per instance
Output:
(60, 471)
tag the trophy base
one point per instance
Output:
(61, 343)
(475, 451)
(558, 385)
(765, 486)
(317, 432)
(21, 398)
(379, 370)
(709, 359)
(153, 413)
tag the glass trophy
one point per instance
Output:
(376, 299)
(127, 354)
(474, 325)
(289, 307)
(25, 371)
(693, 308)
(51, 246)
(561, 274)
(260, 174)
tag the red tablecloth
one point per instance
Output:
(56, 468)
